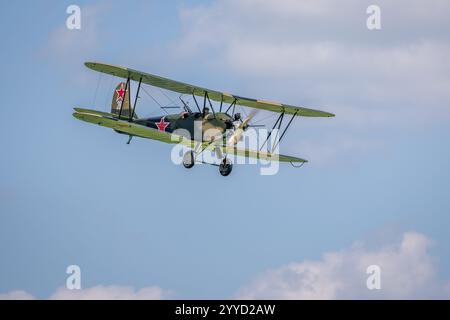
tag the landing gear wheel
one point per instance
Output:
(188, 160)
(225, 167)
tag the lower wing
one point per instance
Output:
(261, 155)
(110, 120)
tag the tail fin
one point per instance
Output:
(121, 98)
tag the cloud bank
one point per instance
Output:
(408, 271)
(320, 54)
(324, 49)
(16, 295)
(112, 292)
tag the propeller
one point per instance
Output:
(239, 131)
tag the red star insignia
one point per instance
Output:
(162, 125)
(120, 93)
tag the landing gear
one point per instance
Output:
(225, 167)
(188, 159)
(129, 139)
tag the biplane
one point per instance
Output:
(226, 125)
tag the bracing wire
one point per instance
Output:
(264, 119)
(96, 89)
(109, 90)
(162, 107)
(168, 98)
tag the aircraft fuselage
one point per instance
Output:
(194, 126)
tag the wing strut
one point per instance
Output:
(210, 104)
(278, 122)
(285, 129)
(204, 102)
(280, 119)
(196, 103)
(135, 100)
(233, 104)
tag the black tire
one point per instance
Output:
(188, 160)
(225, 167)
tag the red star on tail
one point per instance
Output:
(120, 93)
(162, 125)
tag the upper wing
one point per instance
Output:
(185, 88)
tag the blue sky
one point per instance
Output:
(73, 193)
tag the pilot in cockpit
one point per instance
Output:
(184, 115)
(205, 112)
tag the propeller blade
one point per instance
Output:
(239, 131)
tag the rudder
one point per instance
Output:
(121, 98)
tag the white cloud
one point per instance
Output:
(320, 54)
(97, 293)
(110, 293)
(408, 271)
(321, 51)
(16, 295)
(69, 49)
(65, 45)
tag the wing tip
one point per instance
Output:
(306, 112)
(323, 114)
(90, 64)
(291, 159)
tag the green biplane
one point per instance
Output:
(220, 130)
